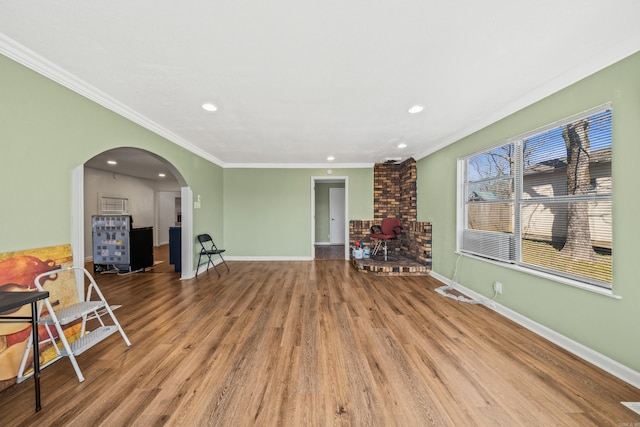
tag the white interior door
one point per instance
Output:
(336, 212)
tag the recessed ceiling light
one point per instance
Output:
(331, 158)
(209, 107)
(402, 145)
(112, 162)
(161, 175)
(416, 109)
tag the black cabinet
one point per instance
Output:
(141, 241)
(175, 248)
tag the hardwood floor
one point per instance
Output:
(314, 344)
(329, 252)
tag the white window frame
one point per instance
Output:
(109, 204)
(516, 263)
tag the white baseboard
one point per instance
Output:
(268, 258)
(204, 267)
(218, 261)
(598, 359)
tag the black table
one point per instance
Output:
(10, 300)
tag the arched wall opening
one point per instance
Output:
(134, 162)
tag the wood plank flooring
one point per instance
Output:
(314, 344)
(329, 252)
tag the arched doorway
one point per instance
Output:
(133, 163)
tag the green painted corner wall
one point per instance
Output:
(267, 212)
(607, 325)
(46, 131)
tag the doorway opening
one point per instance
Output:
(329, 219)
(140, 162)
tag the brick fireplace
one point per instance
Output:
(395, 196)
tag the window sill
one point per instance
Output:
(573, 283)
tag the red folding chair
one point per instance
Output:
(390, 229)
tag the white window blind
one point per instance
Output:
(543, 201)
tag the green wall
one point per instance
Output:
(607, 325)
(46, 131)
(267, 212)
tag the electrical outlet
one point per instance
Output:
(497, 287)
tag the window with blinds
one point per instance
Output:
(110, 205)
(543, 200)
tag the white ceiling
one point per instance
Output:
(296, 81)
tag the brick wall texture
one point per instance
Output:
(394, 191)
(395, 196)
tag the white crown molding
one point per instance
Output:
(37, 63)
(591, 66)
(298, 165)
(590, 355)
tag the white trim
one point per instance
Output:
(607, 106)
(461, 219)
(37, 63)
(346, 218)
(333, 179)
(77, 225)
(588, 354)
(312, 214)
(298, 165)
(551, 277)
(199, 270)
(268, 258)
(186, 243)
(494, 240)
(594, 64)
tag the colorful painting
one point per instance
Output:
(18, 271)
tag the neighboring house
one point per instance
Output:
(547, 222)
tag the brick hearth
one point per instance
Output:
(395, 266)
(395, 196)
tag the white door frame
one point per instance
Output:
(340, 179)
(77, 225)
(186, 225)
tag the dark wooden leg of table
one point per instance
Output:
(36, 353)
